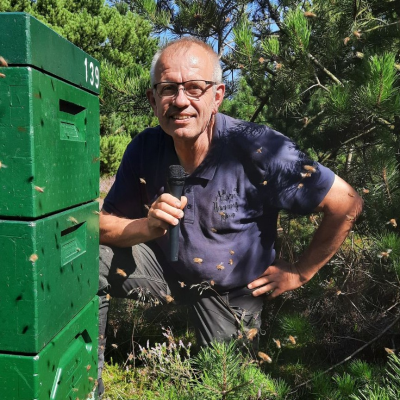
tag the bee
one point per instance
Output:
(309, 168)
(265, 357)
(88, 367)
(231, 252)
(183, 284)
(108, 297)
(96, 212)
(300, 185)
(147, 207)
(251, 333)
(2, 75)
(349, 218)
(33, 258)
(278, 343)
(95, 159)
(366, 191)
(385, 254)
(346, 40)
(91, 379)
(351, 194)
(168, 298)
(305, 174)
(230, 262)
(121, 272)
(78, 249)
(212, 282)
(227, 19)
(73, 220)
(261, 60)
(305, 121)
(198, 260)
(220, 267)
(3, 62)
(2, 165)
(115, 346)
(278, 65)
(389, 351)
(359, 54)
(75, 389)
(214, 230)
(357, 34)
(259, 150)
(392, 222)
(292, 339)
(338, 293)
(39, 189)
(142, 180)
(264, 183)
(222, 214)
(309, 14)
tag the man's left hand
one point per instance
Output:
(278, 278)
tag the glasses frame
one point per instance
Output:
(184, 90)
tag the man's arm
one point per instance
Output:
(123, 232)
(341, 206)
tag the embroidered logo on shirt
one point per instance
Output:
(226, 204)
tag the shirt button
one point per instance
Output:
(189, 206)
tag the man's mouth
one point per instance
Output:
(181, 117)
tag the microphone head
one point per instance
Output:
(176, 175)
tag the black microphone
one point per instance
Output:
(176, 181)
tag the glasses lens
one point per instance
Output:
(192, 88)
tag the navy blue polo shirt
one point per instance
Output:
(228, 231)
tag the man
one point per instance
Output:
(239, 176)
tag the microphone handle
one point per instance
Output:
(176, 191)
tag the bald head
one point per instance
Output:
(185, 44)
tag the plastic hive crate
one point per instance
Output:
(66, 369)
(49, 144)
(50, 272)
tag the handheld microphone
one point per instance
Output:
(176, 181)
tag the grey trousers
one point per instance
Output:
(216, 316)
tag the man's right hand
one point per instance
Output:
(165, 211)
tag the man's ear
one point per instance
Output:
(219, 97)
(151, 99)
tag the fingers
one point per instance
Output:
(166, 211)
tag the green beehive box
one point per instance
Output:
(50, 272)
(26, 41)
(49, 144)
(66, 369)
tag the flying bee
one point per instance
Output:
(96, 212)
(73, 220)
(366, 191)
(108, 296)
(168, 298)
(142, 180)
(259, 150)
(357, 34)
(278, 343)
(2, 165)
(220, 267)
(212, 282)
(346, 40)
(230, 262)
(389, 351)
(305, 174)
(198, 260)
(264, 183)
(115, 346)
(309, 168)
(33, 258)
(265, 357)
(251, 333)
(214, 230)
(88, 367)
(121, 272)
(350, 218)
(222, 214)
(392, 222)
(300, 185)
(3, 62)
(292, 339)
(2, 75)
(261, 60)
(385, 254)
(231, 252)
(39, 189)
(183, 284)
(309, 14)
(147, 207)
(338, 293)
(91, 379)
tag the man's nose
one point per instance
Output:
(181, 99)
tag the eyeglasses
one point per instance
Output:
(194, 88)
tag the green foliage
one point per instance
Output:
(298, 327)
(112, 149)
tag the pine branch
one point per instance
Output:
(316, 62)
(349, 357)
(259, 109)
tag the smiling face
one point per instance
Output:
(180, 116)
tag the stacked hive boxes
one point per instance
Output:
(49, 174)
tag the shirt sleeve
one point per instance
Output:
(297, 183)
(124, 198)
